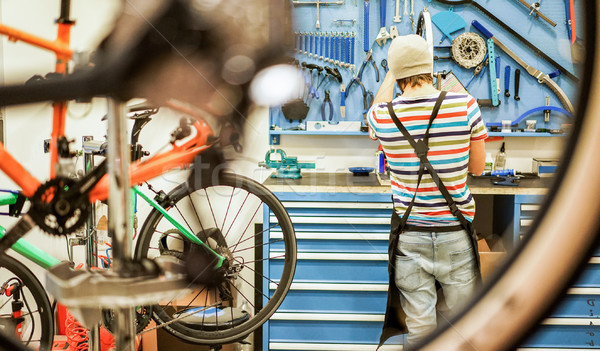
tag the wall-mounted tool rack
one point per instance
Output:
(330, 35)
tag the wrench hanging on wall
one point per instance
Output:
(541, 77)
(397, 17)
(383, 35)
(318, 3)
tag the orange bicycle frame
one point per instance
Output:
(178, 157)
(60, 46)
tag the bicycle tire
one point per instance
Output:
(32, 288)
(152, 235)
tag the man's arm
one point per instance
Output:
(386, 90)
(477, 157)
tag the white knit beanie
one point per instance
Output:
(409, 56)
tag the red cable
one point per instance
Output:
(77, 335)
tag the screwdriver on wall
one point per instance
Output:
(506, 80)
(517, 79)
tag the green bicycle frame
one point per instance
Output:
(184, 231)
(46, 261)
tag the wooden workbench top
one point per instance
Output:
(348, 183)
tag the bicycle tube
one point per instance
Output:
(17, 173)
(32, 252)
(513, 33)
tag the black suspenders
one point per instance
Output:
(421, 147)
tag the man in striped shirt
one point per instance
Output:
(433, 247)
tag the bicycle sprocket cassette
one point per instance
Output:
(55, 210)
(468, 49)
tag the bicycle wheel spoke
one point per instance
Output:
(189, 303)
(245, 298)
(204, 314)
(180, 317)
(259, 274)
(248, 225)
(255, 247)
(216, 314)
(196, 213)
(4, 304)
(183, 218)
(211, 208)
(237, 214)
(262, 293)
(228, 206)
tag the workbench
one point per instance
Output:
(338, 296)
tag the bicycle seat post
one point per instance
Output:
(119, 210)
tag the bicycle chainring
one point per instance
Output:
(55, 210)
(468, 49)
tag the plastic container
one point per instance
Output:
(500, 159)
(489, 162)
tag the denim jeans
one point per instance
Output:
(421, 259)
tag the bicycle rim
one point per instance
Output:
(226, 215)
(38, 324)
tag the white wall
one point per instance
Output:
(27, 126)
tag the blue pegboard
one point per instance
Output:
(553, 41)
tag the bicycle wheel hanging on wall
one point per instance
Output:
(25, 310)
(226, 216)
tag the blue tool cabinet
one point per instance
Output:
(339, 292)
(338, 297)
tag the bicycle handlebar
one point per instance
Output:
(145, 51)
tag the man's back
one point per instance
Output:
(457, 124)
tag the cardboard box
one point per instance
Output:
(490, 260)
(544, 167)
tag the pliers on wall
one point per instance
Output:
(327, 103)
(368, 59)
(366, 95)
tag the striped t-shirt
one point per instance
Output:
(457, 123)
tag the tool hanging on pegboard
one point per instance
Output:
(468, 50)
(383, 36)
(492, 69)
(318, 4)
(541, 77)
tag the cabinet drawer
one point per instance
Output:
(311, 346)
(355, 242)
(329, 298)
(566, 336)
(284, 327)
(336, 271)
(578, 306)
(590, 277)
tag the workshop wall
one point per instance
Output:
(544, 47)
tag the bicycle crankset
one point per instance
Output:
(56, 210)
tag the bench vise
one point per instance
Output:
(287, 167)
